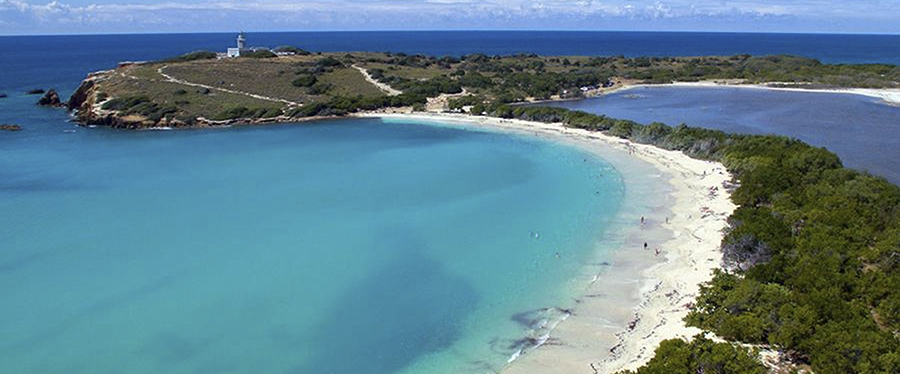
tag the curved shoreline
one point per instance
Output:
(599, 337)
(889, 96)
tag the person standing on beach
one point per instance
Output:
(645, 245)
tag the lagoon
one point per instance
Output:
(861, 130)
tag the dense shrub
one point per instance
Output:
(262, 53)
(305, 80)
(192, 56)
(700, 355)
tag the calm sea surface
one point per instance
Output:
(861, 130)
(314, 248)
(383, 246)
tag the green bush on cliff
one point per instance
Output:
(123, 103)
(142, 106)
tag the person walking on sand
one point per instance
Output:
(645, 245)
(657, 251)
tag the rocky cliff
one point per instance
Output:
(89, 112)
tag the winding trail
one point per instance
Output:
(172, 79)
(390, 91)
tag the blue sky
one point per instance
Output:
(130, 16)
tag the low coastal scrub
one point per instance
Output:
(507, 79)
(290, 49)
(812, 255)
(304, 80)
(192, 56)
(244, 112)
(701, 355)
(262, 53)
(342, 105)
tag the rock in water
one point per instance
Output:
(2, 95)
(36, 91)
(10, 127)
(51, 99)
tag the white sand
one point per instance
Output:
(632, 306)
(890, 96)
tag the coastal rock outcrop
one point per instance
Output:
(10, 128)
(51, 99)
(81, 96)
(89, 112)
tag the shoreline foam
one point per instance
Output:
(599, 337)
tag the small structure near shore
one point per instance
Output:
(241, 47)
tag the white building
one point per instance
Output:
(241, 47)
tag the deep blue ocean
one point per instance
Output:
(332, 247)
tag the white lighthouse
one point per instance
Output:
(241, 41)
(241, 46)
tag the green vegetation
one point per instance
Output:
(262, 53)
(192, 56)
(290, 49)
(701, 355)
(140, 105)
(244, 112)
(328, 83)
(515, 78)
(306, 80)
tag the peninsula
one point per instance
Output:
(202, 90)
(784, 248)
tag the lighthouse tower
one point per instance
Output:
(241, 41)
(241, 46)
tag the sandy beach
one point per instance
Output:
(890, 96)
(626, 309)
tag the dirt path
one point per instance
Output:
(381, 86)
(172, 79)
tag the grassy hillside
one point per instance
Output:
(199, 85)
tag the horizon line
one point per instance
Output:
(459, 30)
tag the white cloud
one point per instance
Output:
(423, 14)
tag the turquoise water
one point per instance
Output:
(329, 247)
